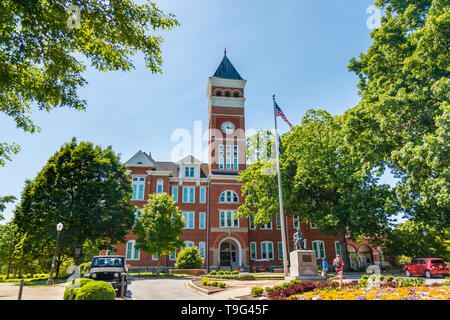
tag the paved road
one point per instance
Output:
(162, 289)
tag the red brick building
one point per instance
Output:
(208, 194)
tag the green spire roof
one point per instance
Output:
(226, 70)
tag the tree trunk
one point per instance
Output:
(344, 252)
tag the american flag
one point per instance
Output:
(280, 113)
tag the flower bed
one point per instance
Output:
(386, 293)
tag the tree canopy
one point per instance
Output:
(86, 189)
(44, 45)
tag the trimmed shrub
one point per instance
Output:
(364, 277)
(221, 284)
(227, 272)
(234, 272)
(78, 284)
(268, 289)
(96, 290)
(205, 281)
(389, 278)
(220, 272)
(214, 272)
(189, 258)
(256, 291)
(380, 277)
(214, 283)
(409, 282)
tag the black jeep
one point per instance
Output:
(111, 269)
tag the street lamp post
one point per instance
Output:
(426, 242)
(59, 227)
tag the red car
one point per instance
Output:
(427, 267)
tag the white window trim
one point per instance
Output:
(226, 219)
(191, 190)
(280, 250)
(277, 218)
(318, 248)
(153, 257)
(256, 251)
(233, 196)
(267, 252)
(204, 193)
(176, 192)
(188, 244)
(174, 256)
(311, 225)
(133, 251)
(265, 227)
(159, 183)
(202, 251)
(335, 248)
(250, 223)
(295, 222)
(138, 183)
(202, 214)
(188, 215)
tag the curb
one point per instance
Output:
(190, 285)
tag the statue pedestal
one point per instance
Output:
(304, 266)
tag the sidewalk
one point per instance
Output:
(10, 291)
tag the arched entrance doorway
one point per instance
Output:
(229, 253)
(365, 255)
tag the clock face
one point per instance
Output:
(228, 127)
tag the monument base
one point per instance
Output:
(304, 266)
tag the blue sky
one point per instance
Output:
(296, 49)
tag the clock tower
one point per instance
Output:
(225, 95)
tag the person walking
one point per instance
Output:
(324, 267)
(339, 266)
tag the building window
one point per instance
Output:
(229, 196)
(221, 156)
(312, 225)
(227, 220)
(154, 257)
(228, 163)
(278, 222)
(227, 93)
(252, 250)
(235, 159)
(267, 250)
(202, 222)
(218, 93)
(189, 220)
(132, 252)
(173, 255)
(319, 248)
(236, 95)
(159, 186)
(337, 247)
(251, 222)
(189, 194)
(189, 172)
(137, 214)
(280, 251)
(267, 226)
(187, 244)
(175, 194)
(202, 195)
(296, 221)
(138, 184)
(201, 248)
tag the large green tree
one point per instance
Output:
(402, 119)
(407, 239)
(86, 189)
(44, 45)
(159, 226)
(322, 183)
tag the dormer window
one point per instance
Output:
(236, 95)
(218, 93)
(227, 94)
(189, 172)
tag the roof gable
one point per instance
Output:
(140, 159)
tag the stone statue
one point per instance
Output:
(299, 240)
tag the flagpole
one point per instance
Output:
(280, 196)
